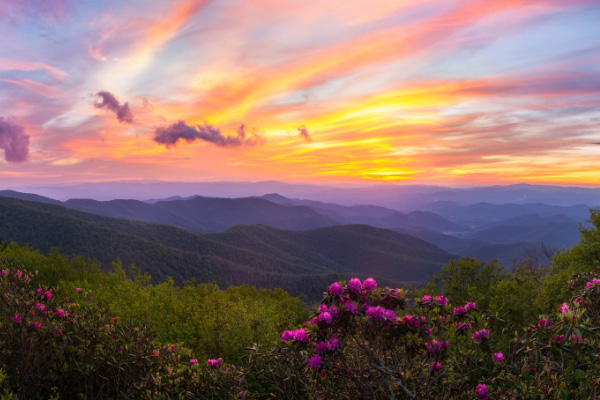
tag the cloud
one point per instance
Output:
(302, 131)
(110, 102)
(147, 105)
(14, 141)
(170, 135)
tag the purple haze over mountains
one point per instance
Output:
(398, 197)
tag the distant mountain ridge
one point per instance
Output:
(300, 262)
(455, 228)
(205, 214)
(401, 197)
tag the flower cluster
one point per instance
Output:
(211, 362)
(380, 314)
(481, 335)
(299, 335)
(543, 323)
(436, 346)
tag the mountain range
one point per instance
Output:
(401, 197)
(300, 261)
(276, 241)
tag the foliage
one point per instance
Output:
(363, 343)
(300, 262)
(583, 257)
(210, 322)
(65, 348)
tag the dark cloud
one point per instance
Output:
(302, 131)
(14, 141)
(108, 101)
(171, 134)
(595, 143)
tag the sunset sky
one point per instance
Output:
(456, 92)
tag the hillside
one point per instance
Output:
(376, 216)
(217, 214)
(552, 234)
(207, 214)
(297, 261)
(359, 248)
(483, 214)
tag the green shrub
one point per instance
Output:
(53, 346)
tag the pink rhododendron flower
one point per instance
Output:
(559, 338)
(470, 306)
(48, 294)
(375, 313)
(4, 272)
(78, 289)
(16, 319)
(354, 285)
(335, 289)
(350, 306)
(458, 311)
(441, 300)
(334, 311)
(389, 314)
(40, 290)
(322, 308)
(315, 362)
(333, 343)
(576, 338)
(564, 308)
(287, 336)
(435, 366)
(300, 335)
(499, 357)
(325, 317)
(61, 313)
(37, 325)
(543, 323)
(436, 346)
(411, 320)
(321, 347)
(40, 306)
(482, 392)
(426, 299)
(193, 361)
(480, 335)
(58, 332)
(115, 319)
(369, 284)
(19, 273)
(154, 353)
(211, 362)
(26, 277)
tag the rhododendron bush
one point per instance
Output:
(62, 348)
(365, 342)
(361, 342)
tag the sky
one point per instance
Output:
(455, 92)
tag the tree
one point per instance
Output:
(583, 257)
(468, 279)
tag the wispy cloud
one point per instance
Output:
(428, 90)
